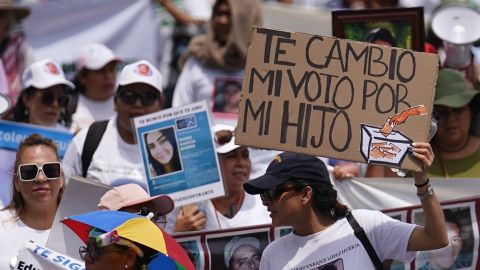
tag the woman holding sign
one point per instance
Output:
(37, 187)
(238, 208)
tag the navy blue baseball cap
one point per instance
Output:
(289, 166)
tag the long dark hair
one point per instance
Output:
(20, 111)
(325, 200)
(159, 168)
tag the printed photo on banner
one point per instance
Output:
(227, 95)
(462, 249)
(394, 27)
(178, 153)
(193, 248)
(236, 252)
(162, 150)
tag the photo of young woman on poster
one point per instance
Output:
(162, 150)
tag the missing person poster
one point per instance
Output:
(336, 98)
(179, 155)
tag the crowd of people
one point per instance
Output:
(287, 189)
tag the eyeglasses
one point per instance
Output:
(94, 252)
(223, 136)
(146, 98)
(158, 218)
(48, 97)
(275, 192)
(29, 172)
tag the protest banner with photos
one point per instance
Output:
(213, 250)
(461, 219)
(37, 257)
(13, 133)
(178, 153)
(336, 98)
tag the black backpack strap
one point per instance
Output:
(94, 136)
(362, 236)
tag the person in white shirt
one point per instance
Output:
(95, 84)
(297, 191)
(117, 160)
(236, 209)
(37, 186)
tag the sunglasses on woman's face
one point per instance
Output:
(275, 192)
(146, 98)
(95, 252)
(48, 97)
(29, 172)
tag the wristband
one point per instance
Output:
(427, 194)
(424, 184)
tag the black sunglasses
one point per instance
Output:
(158, 218)
(94, 252)
(275, 192)
(49, 97)
(29, 172)
(146, 98)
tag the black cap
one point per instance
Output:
(289, 166)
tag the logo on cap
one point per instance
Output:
(52, 68)
(143, 69)
(277, 158)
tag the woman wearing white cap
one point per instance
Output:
(115, 159)
(238, 208)
(95, 83)
(42, 102)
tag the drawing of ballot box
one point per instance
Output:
(379, 149)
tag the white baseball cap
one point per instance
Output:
(141, 72)
(43, 74)
(225, 147)
(237, 242)
(95, 56)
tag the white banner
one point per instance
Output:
(36, 257)
(58, 29)
(389, 193)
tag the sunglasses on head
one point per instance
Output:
(92, 253)
(158, 218)
(49, 97)
(29, 172)
(275, 192)
(223, 136)
(146, 98)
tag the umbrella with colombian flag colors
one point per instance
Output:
(135, 228)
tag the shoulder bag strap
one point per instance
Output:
(362, 236)
(94, 136)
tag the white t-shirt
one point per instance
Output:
(337, 244)
(197, 83)
(89, 111)
(14, 234)
(252, 212)
(114, 162)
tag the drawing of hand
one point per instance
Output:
(400, 118)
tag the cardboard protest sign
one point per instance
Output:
(178, 153)
(335, 98)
